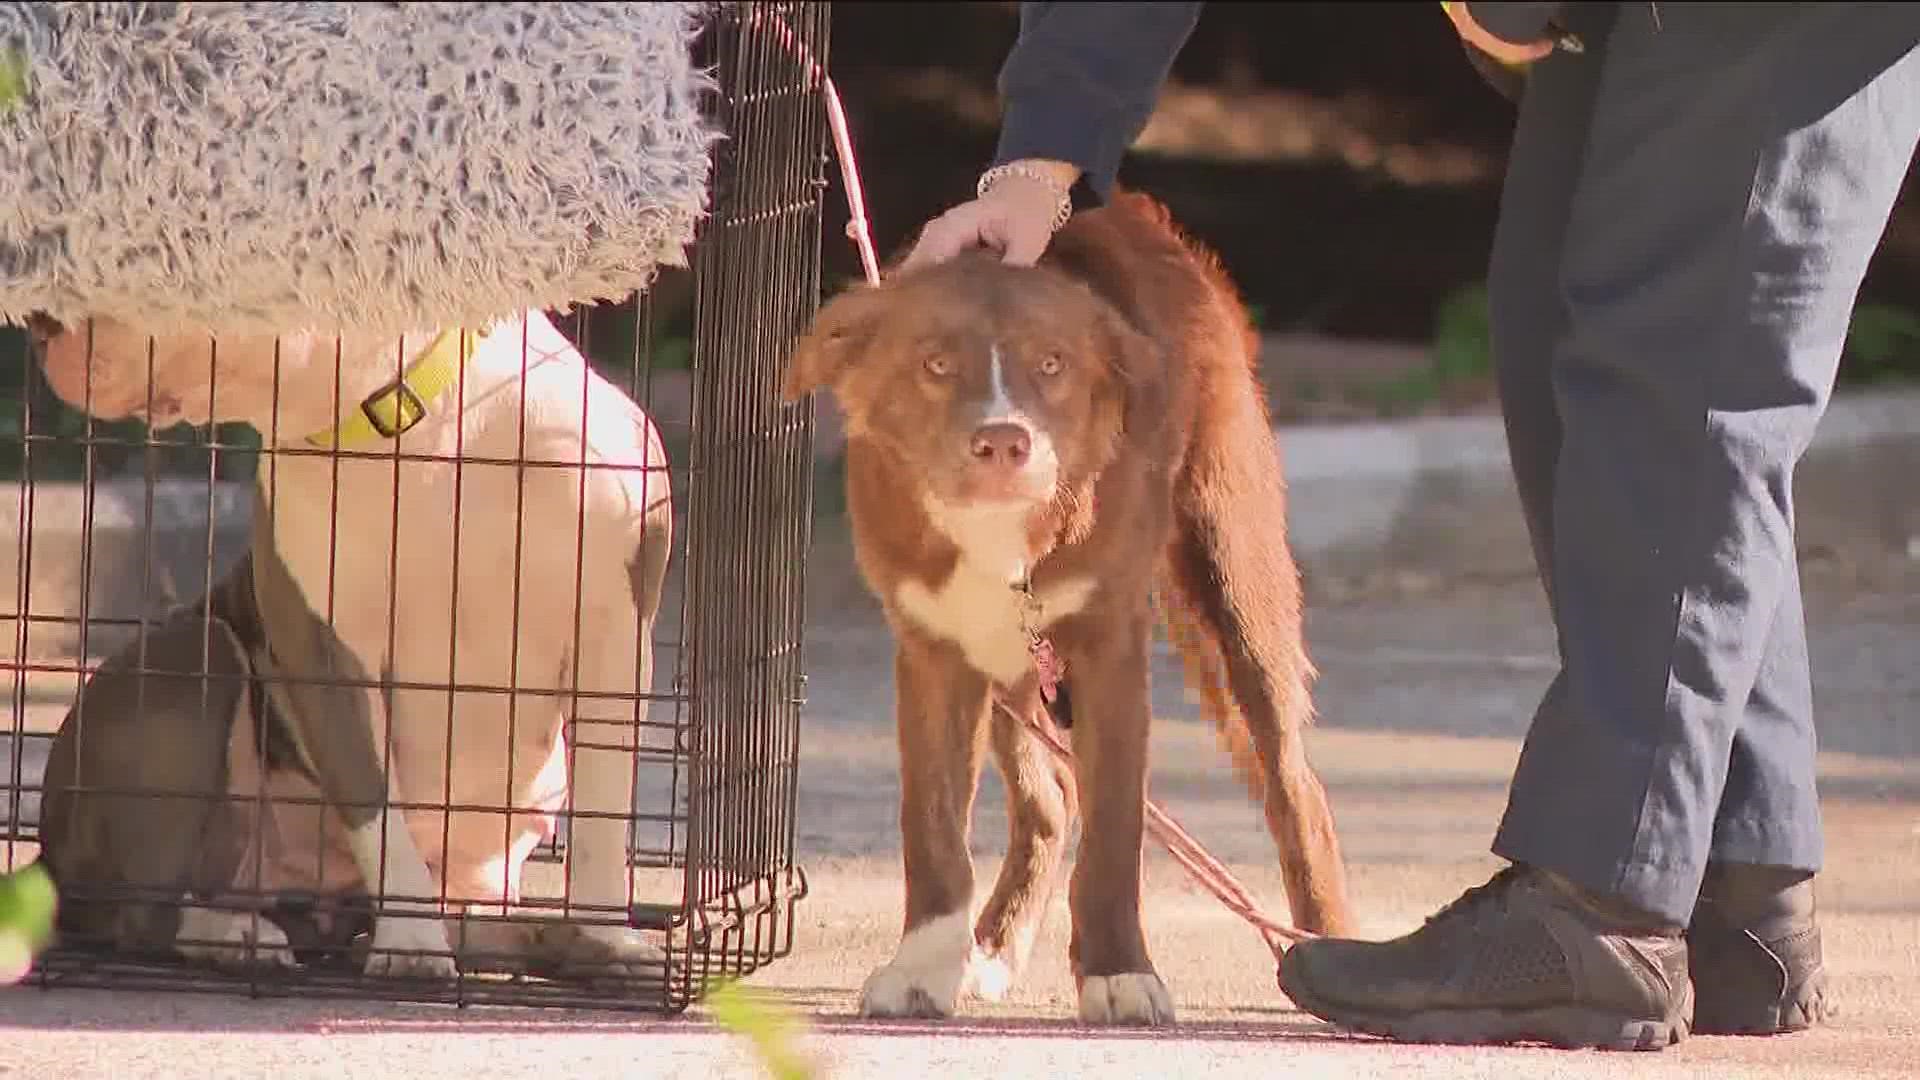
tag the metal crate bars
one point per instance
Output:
(119, 529)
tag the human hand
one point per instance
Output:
(1016, 215)
(1499, 48)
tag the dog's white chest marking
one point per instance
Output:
(977, 607)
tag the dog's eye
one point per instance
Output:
(938, 364)
(1051, 364)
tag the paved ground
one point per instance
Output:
(1423, 697)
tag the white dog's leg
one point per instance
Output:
(231, 939)
(390, 863)
(409, 935)
(601, 778)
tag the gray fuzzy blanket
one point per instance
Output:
(280, 166)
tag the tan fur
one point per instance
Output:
(414, 564)
(1154, 474)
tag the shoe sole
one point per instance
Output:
(1563, 1027)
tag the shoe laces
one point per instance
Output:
(1475, 898)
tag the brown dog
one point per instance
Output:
(1033, 454)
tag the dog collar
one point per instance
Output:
(402, 403)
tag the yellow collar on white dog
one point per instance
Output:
(402, 403)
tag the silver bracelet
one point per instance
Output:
(992, 176)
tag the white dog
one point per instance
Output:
(524, 566)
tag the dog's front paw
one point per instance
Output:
(1136, 997)
(894, 991)
(410, 948)
(593, 953)
(232, 939)
(991, 974)
(927, 972)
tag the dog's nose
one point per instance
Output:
(1003, 445)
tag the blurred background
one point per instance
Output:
(1344, 160)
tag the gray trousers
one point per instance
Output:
(1689, 210)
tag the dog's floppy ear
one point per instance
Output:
(1139, 368)
(839, 334)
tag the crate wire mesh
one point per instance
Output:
(163, 519)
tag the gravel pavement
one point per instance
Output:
(1423, 697)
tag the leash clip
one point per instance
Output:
(1047, 665)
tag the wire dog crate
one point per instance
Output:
(125, 535)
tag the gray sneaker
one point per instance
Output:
(1754, 951)
(1525, 958)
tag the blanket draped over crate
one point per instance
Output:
(266, 167)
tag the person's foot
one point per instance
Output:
(1527, 957)
(1754, 951)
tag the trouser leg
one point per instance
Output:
(1690, 210)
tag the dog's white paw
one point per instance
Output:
(600, 952)
(991, 975)
(991, 972)
(896, 992)
(232, 939)
(410, 948)
(927, 973)
(1137, 997)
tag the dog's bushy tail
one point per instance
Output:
(1229, 595)
(1231, 599)
(1206, 679)
(1229, 591)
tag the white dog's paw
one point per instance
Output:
(600, 952)
(1137, 997)
(410, 948)
(232, 939)
(926, 975)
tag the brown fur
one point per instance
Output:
(1165, 459)
(203, 751)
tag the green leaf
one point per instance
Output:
(1463, 338)
(28, 900)
(771, 1030)
(1885, 339)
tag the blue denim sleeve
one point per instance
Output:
(1081, 82)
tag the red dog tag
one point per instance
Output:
(1053, 684)
(1048, 666)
